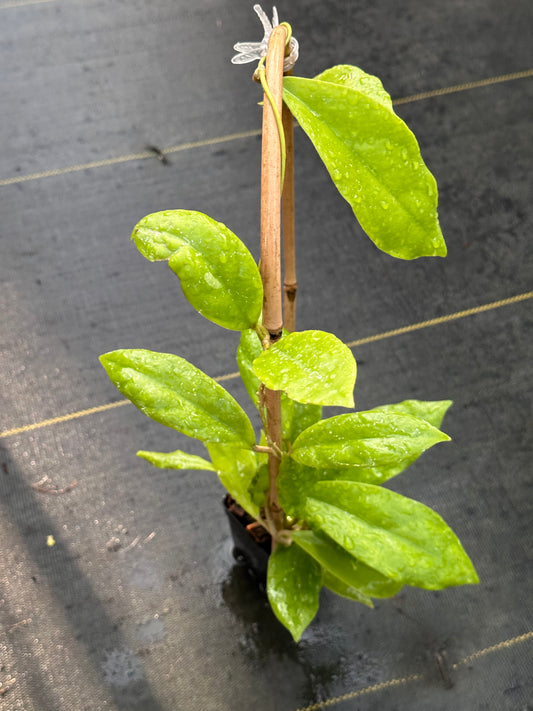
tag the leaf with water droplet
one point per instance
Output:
(401, 538)
(236, 468)
(336, 561)
(175, 393)
(356, 128)
(365, 439)
(218, 275)
(294, 580)
(311, 367)
(176, 460)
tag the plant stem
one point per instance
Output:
(271, 249)
(290, 284)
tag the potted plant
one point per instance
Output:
(314, 485)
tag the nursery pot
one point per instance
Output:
(251, 542)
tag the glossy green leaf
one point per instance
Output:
(339, 587)
(399, 537)
(297, 417)
(293, 483)
(218, 275)
(375, 162)
(248, 350)
(176, 460)
(294, 580)
(342, 565)
(311, 367)
(365, 439)
(431, 411)
(173, 392)
(236, 469)
(355, 78)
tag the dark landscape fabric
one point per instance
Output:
(118, 588)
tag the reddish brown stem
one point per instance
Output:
(290, 283)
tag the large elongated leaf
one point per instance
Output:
(294, 580)
(375, 162)
(176, 460)
(365, 439)
(311, 367)
(344, 566)
(218, 274)
(173, 392)
(403, 539)
(297, 417)
(236, 469)
(339, 587)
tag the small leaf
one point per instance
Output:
(236, 469)
(365, 439)
(355, 78)
(375, 162)
(176, 460)
(173, 392)
(218, 275)
(344, 566)
(294, 580)
(248, 350)
(399, 537)
(311, 367)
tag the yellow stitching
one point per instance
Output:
(495, 648)
(362, 692)
(232, 376)
(415, 677)
(125, 159)
(21, 3)
(463, 87)
(248, 134)
(441, 319)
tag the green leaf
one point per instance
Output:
(375, 162)
(311, 367)
(339, 587)
(293, 483)
(173, 392)
(236, 469)
(176, 460)
(355, 78)
(365, 439)
(218, 275)
(339, 563)
(399, 537)
(248, 350)
(297, 417)
(294, 580)
(431, 411)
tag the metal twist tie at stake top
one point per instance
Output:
(254, 51)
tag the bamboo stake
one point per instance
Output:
(290, 283)
(271, 251)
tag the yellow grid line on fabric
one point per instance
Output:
(231, 376)
(244, 134)
(21, 3)
(392, 683)
(464, 87)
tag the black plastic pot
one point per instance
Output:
(251, 548)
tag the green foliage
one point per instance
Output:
(173, 392)
(176, 460)
(373, 159)
(365, 439)
(340, 528)
(218, 274)
(311, 367)
(293, 586)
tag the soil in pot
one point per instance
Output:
(252, 543)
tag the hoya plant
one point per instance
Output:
(316, 485)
